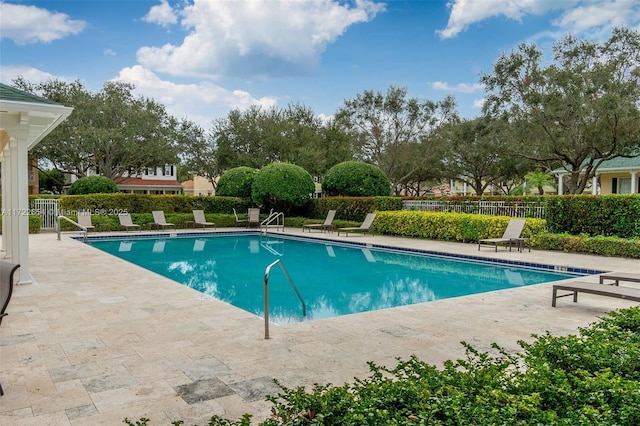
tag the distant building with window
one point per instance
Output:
(154, 180)
(198, 186)
(616, 176)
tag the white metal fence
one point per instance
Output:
(48, 210)
(495, 208)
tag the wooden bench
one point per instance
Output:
(620, 276)
(576, 287)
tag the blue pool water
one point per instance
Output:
(333, 279)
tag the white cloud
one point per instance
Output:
(109, 52)
(610, 13)
(579, 16)
(161, 14)
(257, 38)
(202, 102)
(31, 24)
(479, 103)
(464, 13)
(32, 75)
(458, 88)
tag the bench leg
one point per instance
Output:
(554, 297)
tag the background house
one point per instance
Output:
(616, 176)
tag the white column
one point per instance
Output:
(464, 188)
(560, 191)
(594, 185)
(7, 190)
(22, 216)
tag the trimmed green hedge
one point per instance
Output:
(142, 203)
(449, 226)
(592, 378)
(35, 224)
(353, 208)
(608, 215)
(600, 245)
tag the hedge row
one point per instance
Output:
(110, 222)
(449, 226)
(600, 245)
(353, 208)
(593, 215)
(140, 203)
(588, 379)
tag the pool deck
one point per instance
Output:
(96, 339)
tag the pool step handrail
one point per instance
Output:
(277, 217)
(267, 272)
(83, 228)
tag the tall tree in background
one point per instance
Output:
(110, 131)
(388, 127)
(256, 137)
(476, 152)
(580, 110)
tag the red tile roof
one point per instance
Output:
(147, 182)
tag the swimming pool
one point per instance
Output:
(333, 278)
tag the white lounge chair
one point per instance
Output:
(84, 219)
(326, 226)
(364, 228)
(159, 221)
(126, 222)
(200, 220)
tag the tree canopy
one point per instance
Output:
(579, 110)
(111, 131)
(256, 137)
(395, 132)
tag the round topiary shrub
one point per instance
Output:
(356, 179)
(236, 182)
(93, 185)
(282, 186)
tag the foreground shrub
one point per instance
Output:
(588, 379)
(356, 179)
(93, 185)
(236, 182)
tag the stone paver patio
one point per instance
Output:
(96, 339)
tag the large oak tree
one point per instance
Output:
(578, 110)
(396, 133)
(111, 131)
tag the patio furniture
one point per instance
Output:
(200, 220)
(84, 219)
(327, 225)
(620, 276)
(126, 222)
(364, 228)
(7, 270)
(159, 221)
(576, 287)
(510, 236)
(253, 217)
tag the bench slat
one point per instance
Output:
(592, 288)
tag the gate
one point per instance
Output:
(48, 210)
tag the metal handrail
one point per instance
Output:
(267, 271)
(84, 228)
(265, 224)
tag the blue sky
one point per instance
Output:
(202, 58)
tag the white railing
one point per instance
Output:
(495, 208)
